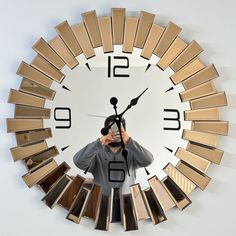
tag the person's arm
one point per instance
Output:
(142, 157)
(86, 157)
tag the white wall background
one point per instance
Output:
(210, 22)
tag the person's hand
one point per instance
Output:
(107, 138)
(111, 137)
(125, 136)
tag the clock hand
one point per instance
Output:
(96, 116)
(114, 101)
(133, 102)
(117, 120)
(124, 152)
(105, 130)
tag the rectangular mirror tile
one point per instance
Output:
(192, 159)
(69, 195)
(152, 40)
(212, 154)
(29, 86)
(207, 74)
(203, 114)
(91, 24)
(172, 52)
(56, 191)
(106, 33)
(214, 100)
(18, 97)
(35, 175)
(50, 179)
(63, 51)
(115, 211)
(77, 208)
(102, 217)
(201, 137)
(31, 112)
(128, 213)
(202, 90)
(190, 52)
(131, 24)
(33, 136)
(178, 196)
(45, 67)
(190, 69)
(160, 193)
(185, 184)
(83, 39)
(200, 179)
(214, 127)
(118, 20)
(93, 202)
(67, 35)
(144, 25)
(139, 202)
(16, 125)
(40, 158)
(171, 32)
(29, 72)
(156, 212)
(19, 153)
(44, 49)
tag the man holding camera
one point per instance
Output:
(103, 158)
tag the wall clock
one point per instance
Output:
(65, 95)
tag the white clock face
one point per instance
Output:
(86, 91)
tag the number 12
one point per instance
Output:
(114, 72)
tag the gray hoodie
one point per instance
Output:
(109, 169)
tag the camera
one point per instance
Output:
(116, 132)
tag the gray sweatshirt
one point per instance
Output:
(109, 169)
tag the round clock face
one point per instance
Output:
(82, 105)
(170, 104)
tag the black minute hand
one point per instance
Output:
(124, 152)
(133, 102)
(117, 120)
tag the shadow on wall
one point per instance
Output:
(229, 160)
(231, 101)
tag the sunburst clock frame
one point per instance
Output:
(80, 196)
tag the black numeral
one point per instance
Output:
(117, 170)
(66, 119)
(175, 119)
(112, 71)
